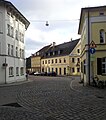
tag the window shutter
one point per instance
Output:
(99, 66)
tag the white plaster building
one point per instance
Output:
(12, 48)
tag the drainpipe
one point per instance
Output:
(88, 49)
(5, 71)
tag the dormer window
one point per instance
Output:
(78, 50)
(53, 53)
(102, 36)
(48, 54)
(37, 53)
(59, 52)
(101, 13)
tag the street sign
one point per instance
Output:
(92, 57)
(92, 44)
(92, 50)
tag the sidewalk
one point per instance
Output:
(15, 83)
(87, 90)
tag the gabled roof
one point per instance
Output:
(42, 51)
(88, 9)
(61, 49)
(12, 7)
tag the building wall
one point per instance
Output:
(54, 64)
(96, 23)
(13, 60)
(101, 47)
(75, 65)
(36, 63)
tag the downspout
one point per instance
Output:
(5, 71)
(88, 49)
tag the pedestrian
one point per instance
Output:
(26, 76)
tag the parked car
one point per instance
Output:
(43, 73)
(51, 74)
(31, 73)
(37, 73)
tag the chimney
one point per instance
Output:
(71, 39)
(54, 44)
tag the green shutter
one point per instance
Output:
(99, 66)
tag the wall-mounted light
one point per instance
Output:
(5, 64)
(47, 24)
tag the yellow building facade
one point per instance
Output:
(60, 65)
(92, 27)
(74, 60)
(58, 59)
(36, 64)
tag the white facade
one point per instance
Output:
(12, 48)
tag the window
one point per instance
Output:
(78, 50)
(20, 36)
(73, 60)
(78, 69)
(51, 53)
(23, 38)
(12, 31)
(21, 71)
(52, 61)
(59, 52)
(60, 71)
(56, 52)
(64, 60)
(0, 47)
(78, 59)
(52, 69)
(104, 65)
(17, 71)
(16, 51)
(45, 61)
(11, 71)
(20, 52)
(48, 61)
(56, 71)
(12, 50)
(8, 49)
(101, 66)
(73, 70)
(8, 29)
(64, 71)
(42, 62)
(101, 13)
(102, 36)
(59, 60)
(55, 60)
(16, 34)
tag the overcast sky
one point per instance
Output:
(63, 18)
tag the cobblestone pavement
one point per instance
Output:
(53, 98)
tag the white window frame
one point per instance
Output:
(17, 71)
(8, 29)
(102, 36)
(11, 71)
(103, 65)
(12, 50)
(22, 71)
(8, 49)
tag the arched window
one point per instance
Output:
(102, 36)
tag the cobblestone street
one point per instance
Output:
(52, 98)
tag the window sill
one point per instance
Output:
(103, 74)
(22, 75)
(11, 76)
